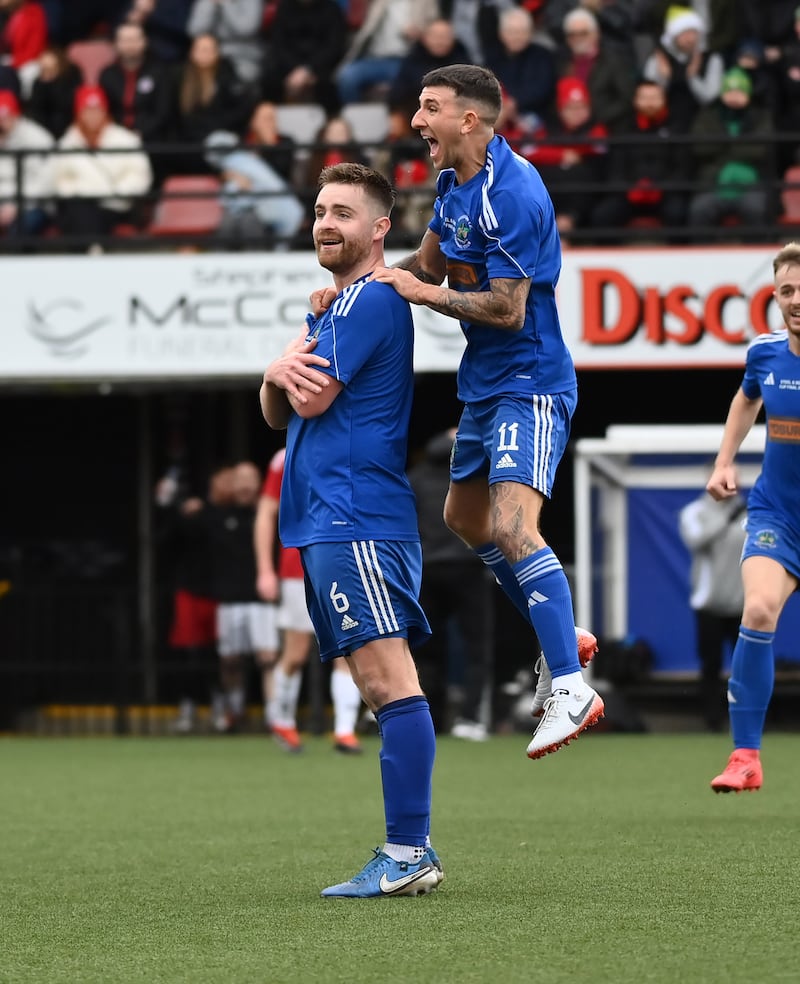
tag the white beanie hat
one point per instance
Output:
(680, 19)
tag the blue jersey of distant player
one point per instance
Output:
(772, 372)
(344, 477)
(501, 224)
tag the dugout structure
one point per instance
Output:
(631, 567)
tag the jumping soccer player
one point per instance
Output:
(494, 235)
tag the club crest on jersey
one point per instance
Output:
(766, 538)
(463, 231)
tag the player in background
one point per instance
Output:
(285, 586)
(494, 235)
(344, 390)
(771, 555)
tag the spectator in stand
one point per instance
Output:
(735, 177)
(644, 167)
(97, 191)
(211, 96)
(378, 47)
(525, 69)
(286, 586)
(256, 200)
(475, 24)
(614, 18)
(610, 77)
(333, 144)
(265, 139)
(569, 153)
(726, 21)
(681, 63)
(23, 39)
(140, 91)
(751, 58)
(436, 48)
(786, 116)
(52, 99)
(236, 24)
(19, 133)
(307, 41)
(164, 23)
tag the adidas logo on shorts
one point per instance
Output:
(348, 623)
(506, 462)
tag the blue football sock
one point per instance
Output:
(549, 602)
(407, 754)
(504, 574)
(750, 686)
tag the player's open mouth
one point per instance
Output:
(433, 145)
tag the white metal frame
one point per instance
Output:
(606, 464)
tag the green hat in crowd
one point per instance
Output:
(736, 79)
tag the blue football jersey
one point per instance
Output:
(344, 477)
(501, 224)
(772, 372)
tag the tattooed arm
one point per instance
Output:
(427, 262)
(502, 306)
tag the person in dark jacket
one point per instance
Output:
(211, 97)
(526, 70)
(52, 99)
(140, 91)
(459, 597)
(638, 172)
(436, 48)
(307, 41)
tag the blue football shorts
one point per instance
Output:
(361, 591)
(768, 536)
(513, 439)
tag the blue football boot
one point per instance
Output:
(383, 876)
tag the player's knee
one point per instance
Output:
(760, 613)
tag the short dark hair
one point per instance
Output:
(472, 83)
(373, 182)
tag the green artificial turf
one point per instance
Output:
(201, 859)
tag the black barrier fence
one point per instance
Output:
(183, 209)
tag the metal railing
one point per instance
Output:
(417, 199)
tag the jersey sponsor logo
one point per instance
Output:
(783, 430)
(462, 274)
(463, 232)
(769, 379)
(536, 599)
(348, 623)
(505, 462)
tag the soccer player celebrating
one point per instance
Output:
(771, 555)
(344, 391)
(494, 235)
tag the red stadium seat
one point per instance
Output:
(91, 57)
(188, 205)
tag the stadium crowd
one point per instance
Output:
(637, 112)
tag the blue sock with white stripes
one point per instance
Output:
(504, 575)
(750, 686)
(549, 602)
(407, 754)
